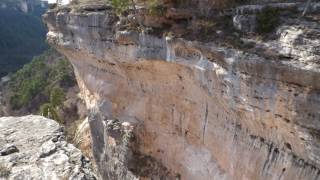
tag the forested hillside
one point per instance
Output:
(46, 80)
(22, 35)
(45, 86)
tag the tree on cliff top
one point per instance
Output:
(120, 5)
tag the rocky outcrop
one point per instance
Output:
(245, 17)
(197, 110)
(33, 147)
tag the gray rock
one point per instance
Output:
(301, 41)
(48, 148)
(39, 151)
(244, 17)
(245, 23)
(9, 149)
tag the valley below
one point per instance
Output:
(22, 33)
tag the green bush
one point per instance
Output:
(155, 8)
(57, 97)
(49, 111)
(267, 20)
(120, 5)
(62, 72)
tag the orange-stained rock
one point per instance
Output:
(197, 110)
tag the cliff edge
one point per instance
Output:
(33, 147)
(173, 96)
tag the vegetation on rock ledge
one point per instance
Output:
(267, 20)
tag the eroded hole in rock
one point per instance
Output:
(288, 146)
(286, 120)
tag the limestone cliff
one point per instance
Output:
(177, 107)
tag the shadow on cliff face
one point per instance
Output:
(307, 122)
(116, 153)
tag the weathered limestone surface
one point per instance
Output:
(198, 110)
(245, 17)
(33, 147)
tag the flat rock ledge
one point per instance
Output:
(33, 147)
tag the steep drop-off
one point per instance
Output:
(22, 34)
(46, 86)
(173, 108)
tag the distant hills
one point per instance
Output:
(22, 33)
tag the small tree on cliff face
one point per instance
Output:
(50, 110)
(120, 5)
(57, 97)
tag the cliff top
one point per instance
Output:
(274, 30)
(35, 147)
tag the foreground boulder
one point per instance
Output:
(33, 147)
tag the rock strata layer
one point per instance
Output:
(197, 110)
(33, 147)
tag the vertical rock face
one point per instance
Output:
(192, 110)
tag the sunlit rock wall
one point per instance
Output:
(199, 110)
